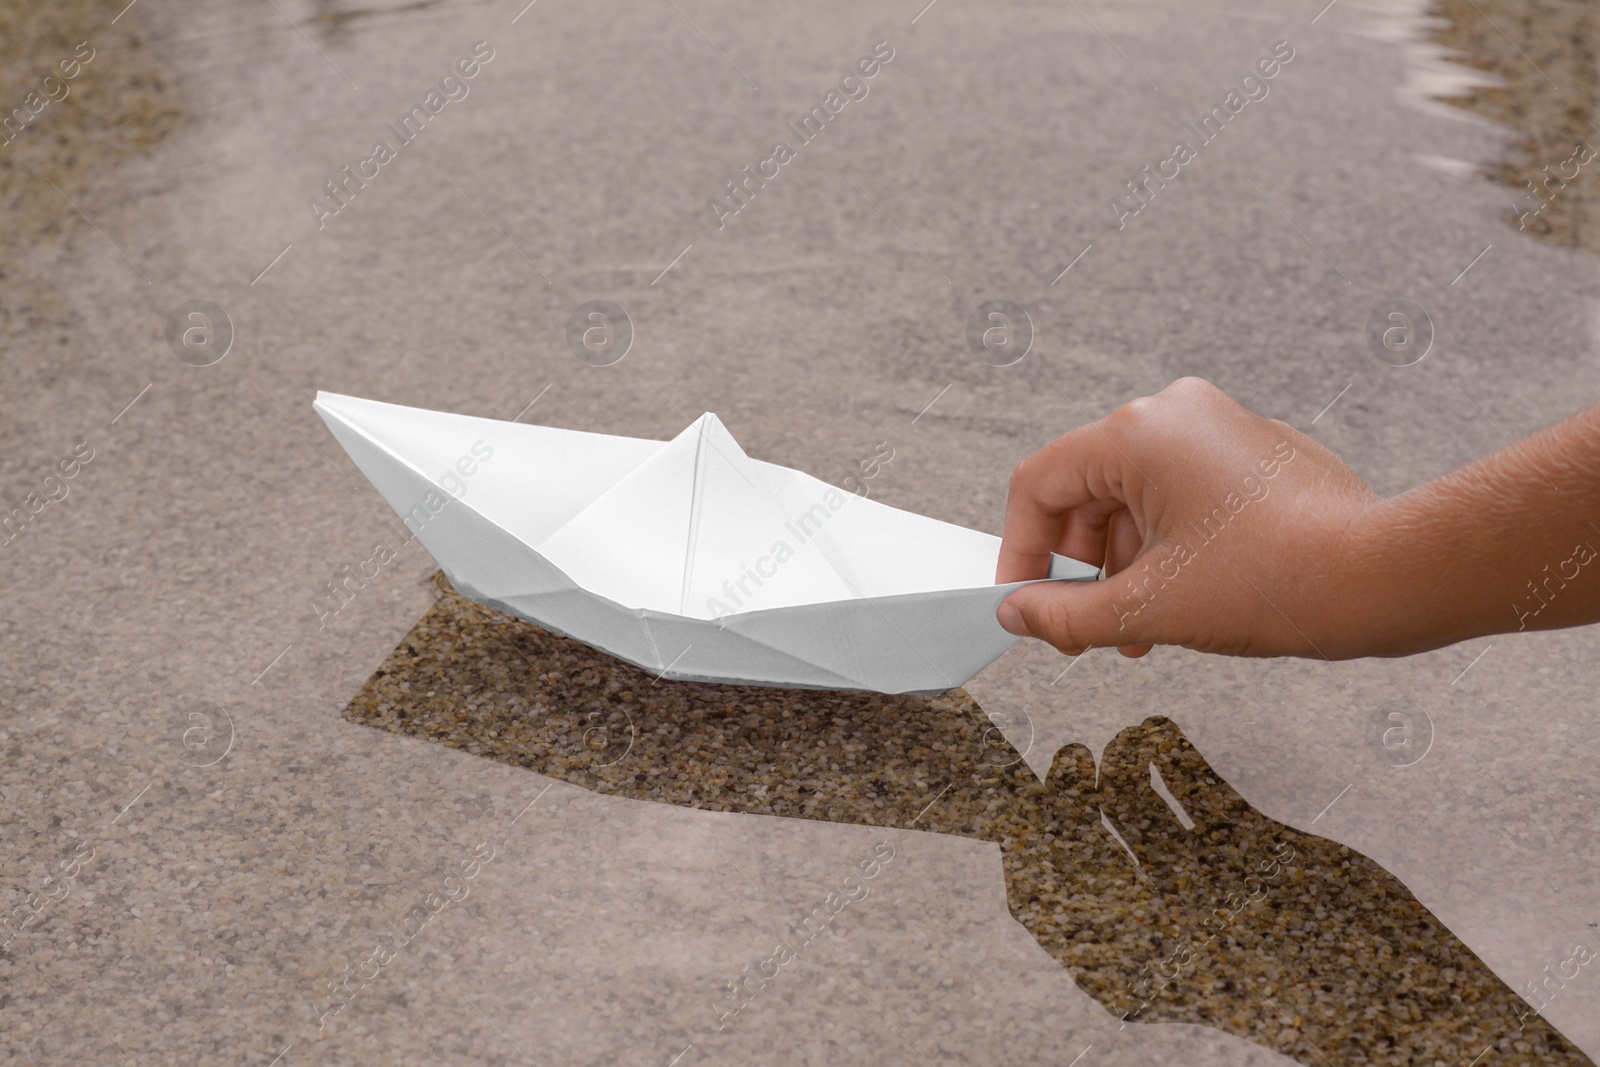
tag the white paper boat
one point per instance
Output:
(687, 557)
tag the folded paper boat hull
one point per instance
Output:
(489, 499)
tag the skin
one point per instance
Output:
(1307, 561)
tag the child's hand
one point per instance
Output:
(1219, 530)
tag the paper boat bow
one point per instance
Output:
(687, 557)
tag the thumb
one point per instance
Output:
(1074, 616)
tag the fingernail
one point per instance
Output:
(1011, 620)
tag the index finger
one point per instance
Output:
(1064, 492)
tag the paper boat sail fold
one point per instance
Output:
(687, 557)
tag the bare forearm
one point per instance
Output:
(1208, 545)
(1509, 542)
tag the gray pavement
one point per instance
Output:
(238, 868)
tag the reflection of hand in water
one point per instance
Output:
(1242, 924)
(1246, 925)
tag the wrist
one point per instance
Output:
(1370, 554)
(1416, 581)
(1375, 590)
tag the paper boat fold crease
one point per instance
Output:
(687, 557)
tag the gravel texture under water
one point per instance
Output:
(1240, 923)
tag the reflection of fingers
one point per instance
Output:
(1128, 799)
(1209, 800)
(1072, 777)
